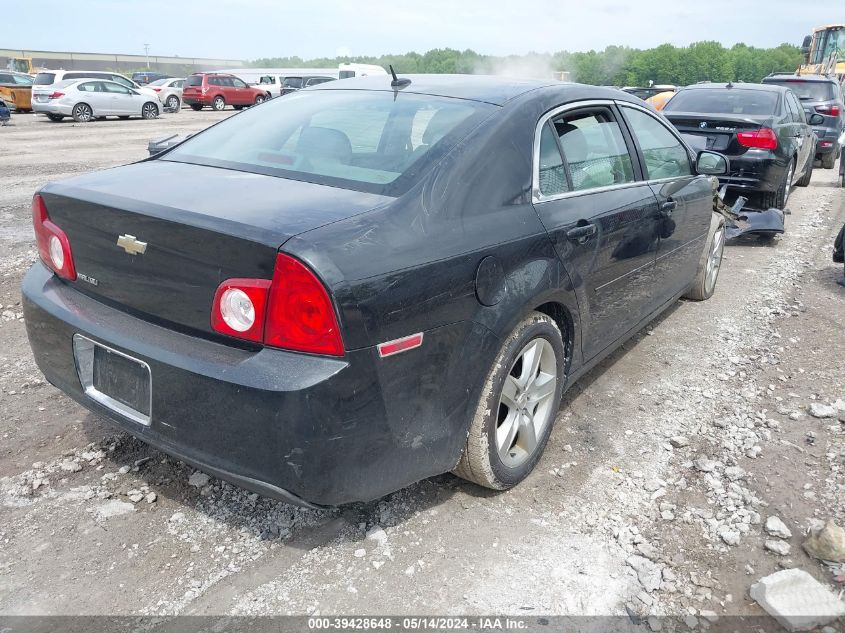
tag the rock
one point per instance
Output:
(648, 550)
(690, 620)
(360, 553)
(377, 534)
(781, 548)
(776, 527)
(819, 410)
(734, 473)
(679, 441)
(797, 600)
(410, 571)
(704, 465)
(135, 495)
(70, 466)
(123, 469)
(827, 543)
(648, 573)
(710, 616)
(729, 536)
(113, 508)
(151, 497)
(198, 479)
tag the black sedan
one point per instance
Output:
(339, 293)
(762, 129)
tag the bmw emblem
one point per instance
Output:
(702, 124)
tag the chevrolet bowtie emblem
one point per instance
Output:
(132, 245)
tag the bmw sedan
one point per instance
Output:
(87, 99)
(367, 283)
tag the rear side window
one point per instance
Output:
(594, 149)
(808, 90)
(724, 101)
(665, 156)
(353, 139)
(194, 80)
(552, 172)
(45, 79)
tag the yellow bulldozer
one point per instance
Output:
(21, 65)
(824, 51)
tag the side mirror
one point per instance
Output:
(711, 164)
(816, 119)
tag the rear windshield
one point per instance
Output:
(724, 101)
(378, 142)
(807, 90)
(44, 79)
(292, 82)
(194, 80)
(158, 82)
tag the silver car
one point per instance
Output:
(169, 92)
(86, 99)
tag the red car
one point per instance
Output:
(219, 90)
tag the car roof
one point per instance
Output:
(794, 77)
(487, 88)
(737, 86)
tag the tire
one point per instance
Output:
(123, 117)
(172, 103)
(503, 444)
(260, 99)
(780, 197)
(707, 275)
(829, 160)
(82, 113)
(149, 110)
(196, 107)
(56, 117)
(807, 176)
(238, 107)
(218, 104)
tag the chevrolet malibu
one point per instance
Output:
(371, 282)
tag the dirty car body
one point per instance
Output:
(440, 229)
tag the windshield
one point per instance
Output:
(807, 90)
(828, 42)
(724, 101)
(379, 141)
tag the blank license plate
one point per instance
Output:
(123, 379)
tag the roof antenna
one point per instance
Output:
(398, 84)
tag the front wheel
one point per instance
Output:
(149, 110)
(260, 99)
(780, 196)
(829, 160)
(517, 407)
(82, 113)
(172, 103)
(218, 104)
(711, 262)
(807, 176)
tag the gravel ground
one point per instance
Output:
(652, 497)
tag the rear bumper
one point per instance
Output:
(755, 170)
(305, 429)
(197, 99)
(827, 141)
(52, 108)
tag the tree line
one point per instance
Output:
(613, 66)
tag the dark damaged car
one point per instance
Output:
(364, 284)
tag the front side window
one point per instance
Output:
(114, 88)
(665, 156)
(353, 139)
(237, 83)
(594, 149)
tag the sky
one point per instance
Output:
(252, 29)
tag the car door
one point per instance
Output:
(684, 199)
(124, 100)
(803, 133)
(92, 93)
(601, 216)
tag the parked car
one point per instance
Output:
(646, 92)
(51, 77)
(270, 84)
(169, 92)
(5, 113)
(332, 296)
(292, 84)
(87, 99)
(761, 128)
(219, 90)
(819, 94)
(16, 90)
(659, 100)
(147, 77)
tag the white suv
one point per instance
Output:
(50, 77)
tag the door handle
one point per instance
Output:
(582, 232)
(667, 207)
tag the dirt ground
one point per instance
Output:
(621, 516)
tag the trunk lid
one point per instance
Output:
(201, 226)
(718, 130)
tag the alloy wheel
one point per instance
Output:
(150, 111)
(219, 103)
(172, 102)
(714, 260)
(83, 113)
(526, 402)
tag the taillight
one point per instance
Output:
(53, 243)
(157, 89)
(764, 138)
(56, 95)
(292, 311)
(829, 110)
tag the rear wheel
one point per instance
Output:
(517, 407)
(55, 117)
(829, 160)
(196, 107)
(149, 110)
(779, 198)
(807, 175)
(711, 261)
(82, 113)
(238, 107)
(219, 103)
(172, 103)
